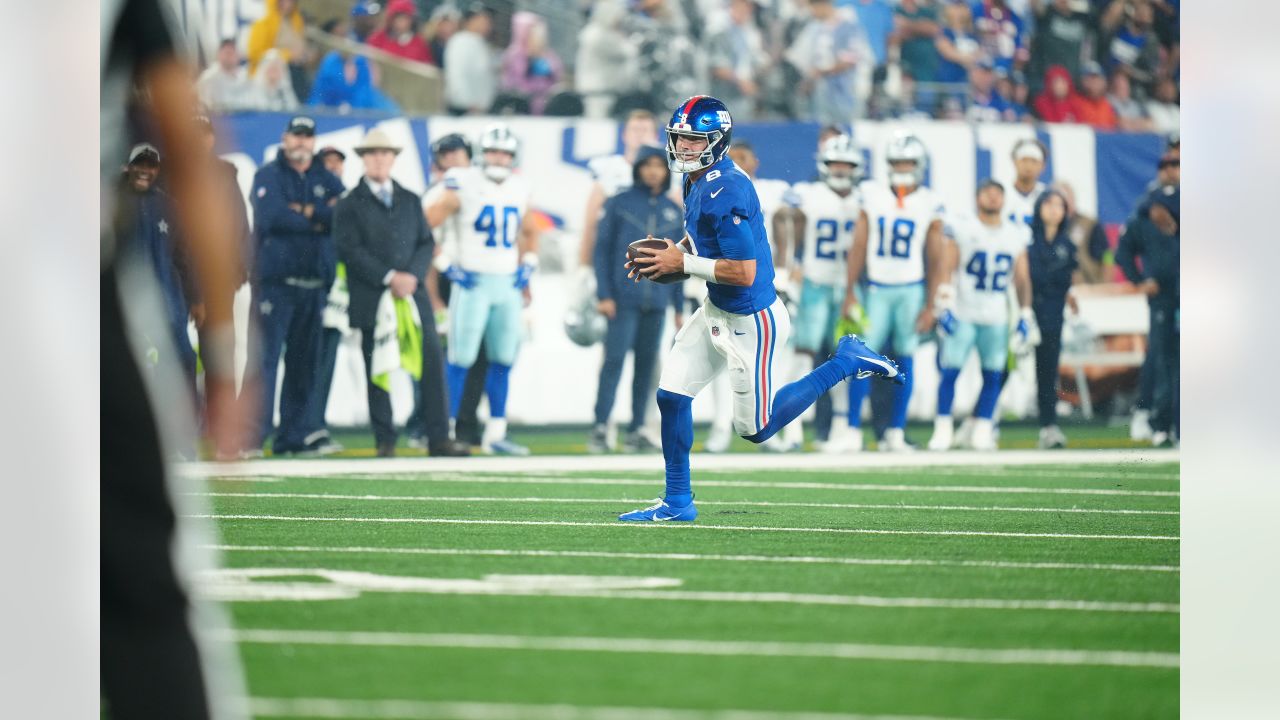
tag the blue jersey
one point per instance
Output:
(722, 216)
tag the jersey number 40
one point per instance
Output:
(977, 267)
(487, 223)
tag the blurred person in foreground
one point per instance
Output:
(1054, 269)
(1149, 254)
(637, 312)
(385, 244)
(294, 267)
(151, 664)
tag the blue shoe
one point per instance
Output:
(661, 512)
(868, 362)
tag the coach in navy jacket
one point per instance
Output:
(294, 265)
(636, 310)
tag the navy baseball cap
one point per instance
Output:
(449, 143)
(301, 125)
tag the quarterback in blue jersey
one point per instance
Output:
(742, 323)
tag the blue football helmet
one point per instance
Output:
(700, 116)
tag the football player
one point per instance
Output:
(489, 265)
(611, 174)
(742, 322)
(988, 255)
(899, 227)
(1028, 163)
(828, 212)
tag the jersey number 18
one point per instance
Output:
(900, 242)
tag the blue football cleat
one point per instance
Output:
(661, 512)
(868, 362)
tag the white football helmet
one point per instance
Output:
(499, 137)
(906, 147)
(842, 150)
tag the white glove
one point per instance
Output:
(1026, 334)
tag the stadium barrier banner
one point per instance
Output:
(553, 379)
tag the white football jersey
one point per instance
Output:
(985, 275)
(1019, 207)
(487, 224)
(613, 172)
(828, 232)
(897, 232)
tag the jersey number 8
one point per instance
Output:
(900, 243)
(486, 223)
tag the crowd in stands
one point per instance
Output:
(1111, 64)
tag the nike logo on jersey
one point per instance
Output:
(717, 192)
(735, 332)
(888, 368)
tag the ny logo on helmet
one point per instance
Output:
(725, 120)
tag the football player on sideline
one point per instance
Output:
(900, 227)
(1028, 163)
(742, 322)
(987, 250)
(490, 265)
(828, 211)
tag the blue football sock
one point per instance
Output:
(990, 395)
(677, 439)
(903, 398)
(947, 391)
(796, 397)
(858, 390)
(496, 382)
(456, 376)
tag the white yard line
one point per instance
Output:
(452, 710)
(652, 482)
(716, 503)
(699, 557)
(687, 526)
(675, 646)
(1137, 459)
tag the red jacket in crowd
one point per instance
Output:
(411, 45)
(1059, 106)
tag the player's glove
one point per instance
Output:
(1026, 334)
(528, 264)
(947, 323)
(460, 277)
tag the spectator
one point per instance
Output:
(605, 65)
(1002, 33)
(1056, 103)
(736, 56)
(958, 47)
(1092, 106)
(1093, 250)
(440, 27)
(272, 85)
(345, 82)
(1053, 265)
(1063, 30)
(364, 20)
(636, 311)
(985, 104)
(224, 85)
(529, 66)
(1149, 254)
(1130, 114)
(281, 29)
(877, 19)
(1128, 41)
(383, 239)
(825, 53)
(1163, 108)
(1013, 88)
(470, 85)
(915, 29)
(400, 36)
(293, 199)
(333, 160)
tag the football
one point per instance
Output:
(655, 244)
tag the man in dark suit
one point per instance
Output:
(385, 242)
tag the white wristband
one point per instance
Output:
(700, 267)
(530, 259)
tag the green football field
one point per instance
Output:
(415, 588)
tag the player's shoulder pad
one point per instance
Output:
(794, 196)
